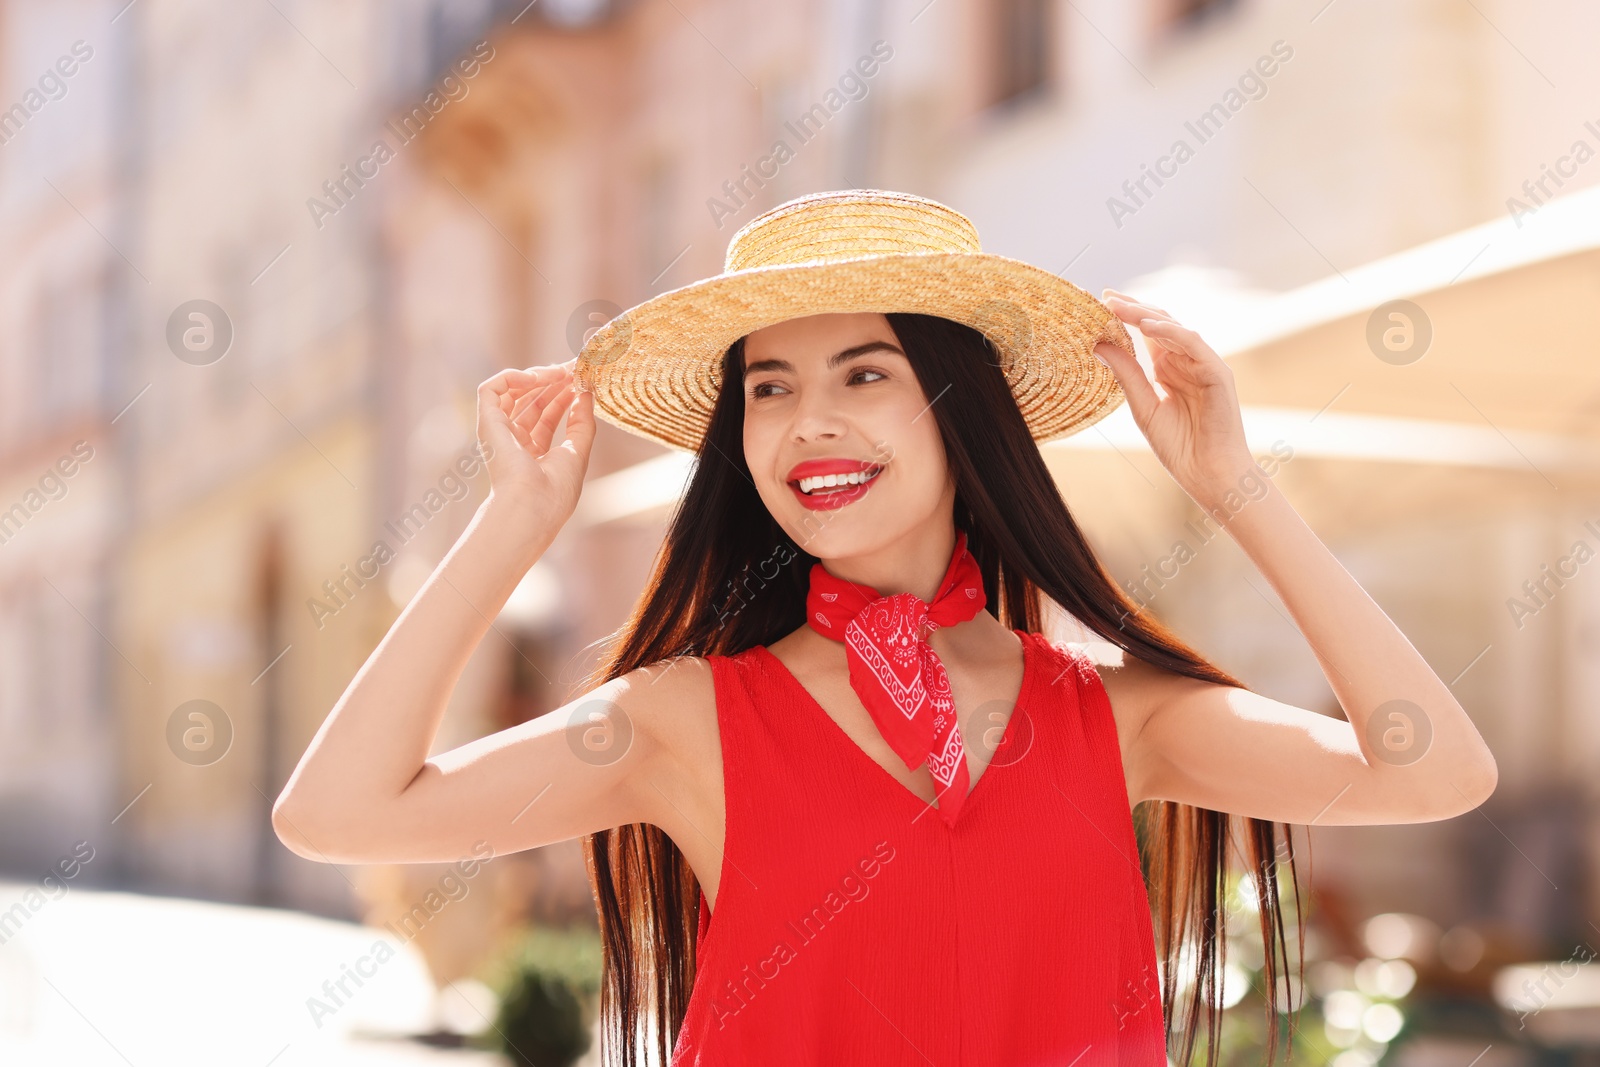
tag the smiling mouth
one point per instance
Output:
(824, 484)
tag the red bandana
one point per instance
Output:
(894, 670)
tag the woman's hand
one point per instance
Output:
(518, 411)
(1195, 430)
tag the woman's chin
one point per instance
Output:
(844, 533)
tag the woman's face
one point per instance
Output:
(832, 398)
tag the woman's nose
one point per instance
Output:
(817, 418)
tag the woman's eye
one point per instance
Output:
(860, 374)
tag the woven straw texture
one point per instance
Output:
(655, 369)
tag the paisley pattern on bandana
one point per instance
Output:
(895, 672)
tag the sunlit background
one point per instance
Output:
(258, 255)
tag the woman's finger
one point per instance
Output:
(543, 431)
(512, 378)
(1142, 398)
(1175, 337)
(529, 406)
(1126, 298)
(495, 428)
(1133, 302)
(524, 407)
(580, 426)
(511, 384)
(1132, 310)
(531, 382)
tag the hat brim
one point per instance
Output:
(655, 370)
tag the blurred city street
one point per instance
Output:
(258, 258)
(117, 978)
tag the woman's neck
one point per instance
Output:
(915, 564)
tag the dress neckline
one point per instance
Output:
(1030, 668)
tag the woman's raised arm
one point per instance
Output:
(1407, 750)
(365, 790)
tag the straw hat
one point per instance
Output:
(656, 368)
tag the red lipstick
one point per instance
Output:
(852, 479)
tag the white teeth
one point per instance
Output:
(829, 481)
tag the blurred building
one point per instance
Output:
(269, 330)
(66, 135)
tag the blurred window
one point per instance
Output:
(66, 343)
(573, 14)
(1022, 35)
(1186, 14)
(229, 378)
(660, 254)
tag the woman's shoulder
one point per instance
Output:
(1119, 680)
(667, 712)
(1087, 658)
(677, 689)
(677, 680)
(1101, 670)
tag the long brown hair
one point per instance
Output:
(727, 578)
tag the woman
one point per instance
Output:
(842, 802)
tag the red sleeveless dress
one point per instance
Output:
(854, 927)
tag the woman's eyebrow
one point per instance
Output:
(833, 361)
